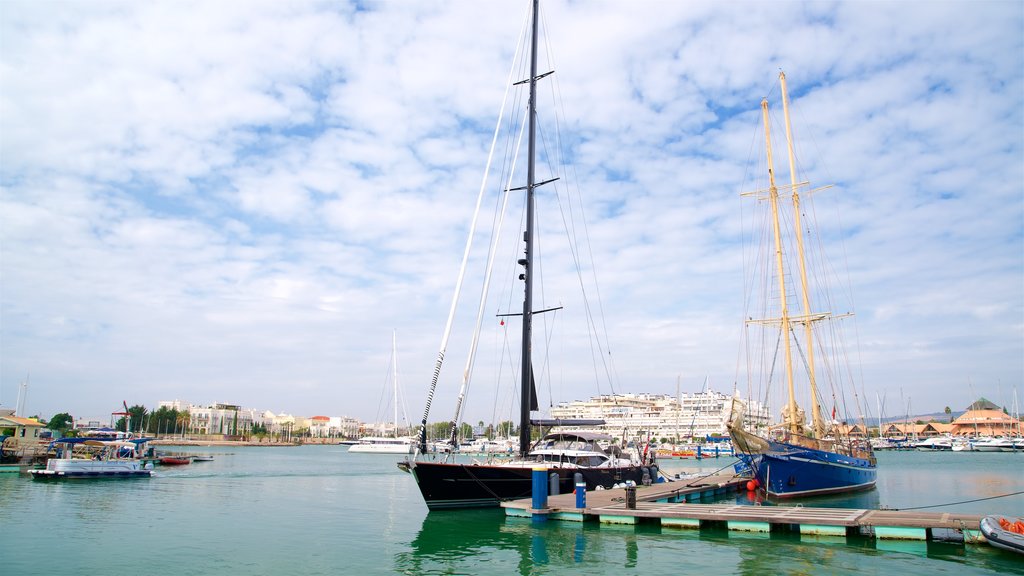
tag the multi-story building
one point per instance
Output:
(662, 416)
(222, 419)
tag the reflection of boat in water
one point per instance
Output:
(454, 543)
(445, 541)
(795, 459)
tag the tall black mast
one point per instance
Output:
(527, 368)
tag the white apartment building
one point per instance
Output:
(333, 427)
(233, 420)
(688, 416)
(225, 419)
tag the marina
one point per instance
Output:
(323, 510)
(212, 216)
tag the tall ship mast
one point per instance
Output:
(792, 460)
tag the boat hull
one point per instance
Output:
(1001, 538)
(381, 448)
(88, 474)
(788, 471)
(452, 486)
(87, 469)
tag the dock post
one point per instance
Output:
(540, 494)
(631, 497)
(699, 457)
(581, 495)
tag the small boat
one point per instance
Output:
(383, 445)
(1004, 532)
(93, 459)
(202, 458)
(174, 461)
(935, 444)
(997, 444)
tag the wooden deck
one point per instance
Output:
(674, 504)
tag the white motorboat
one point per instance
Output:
(936, 443)
(997, 444)
(383, 445)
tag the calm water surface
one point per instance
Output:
(319, 510)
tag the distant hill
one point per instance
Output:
(937, 416)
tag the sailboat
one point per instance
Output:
(394, 444)
(572, 456)
(792, 459)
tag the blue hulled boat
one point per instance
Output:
(789, 471)
(796, 457)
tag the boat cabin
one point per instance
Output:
(21, 432)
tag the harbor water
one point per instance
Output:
(314, 510)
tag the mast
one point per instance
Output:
(818, 424)
(526, 371)
(773, 195)
(394, 373)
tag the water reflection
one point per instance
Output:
(470, 540)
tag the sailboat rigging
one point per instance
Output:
(394, 444)
(446, 483)
(797, 460)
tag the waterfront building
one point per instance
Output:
(222, 419)
(676, 419)
(986, 422)
(20, 432)
(88, 424)
(177, 405)
(333, 427)
(348, 427)
(320, 427)
(911, 430)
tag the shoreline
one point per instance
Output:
(190, 442)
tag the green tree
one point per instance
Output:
(61, 422)
(949, 413)
(136, 417)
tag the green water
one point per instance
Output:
(319, 510)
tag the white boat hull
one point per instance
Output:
(382, 448)
(81, 468)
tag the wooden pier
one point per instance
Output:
(674, 505)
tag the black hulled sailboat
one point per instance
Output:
(448, 484)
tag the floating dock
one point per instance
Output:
(674, 505)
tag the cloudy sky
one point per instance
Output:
(239, 202)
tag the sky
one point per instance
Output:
(243, 202)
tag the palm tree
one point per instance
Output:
(183, 419)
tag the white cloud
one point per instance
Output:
(218, 204)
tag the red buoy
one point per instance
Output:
(751, 485)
